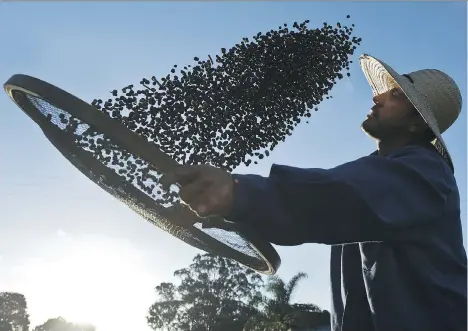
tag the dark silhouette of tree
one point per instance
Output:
(279, 314)
(13, 312)
(304, 318)
(213, 294)
(60, 324)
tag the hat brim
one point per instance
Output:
(382, 78)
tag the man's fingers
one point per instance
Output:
(182, 175)
(207, 190)
(205, 203)
(201, 203)
(190, 192)
(167, 180)
(186, 173)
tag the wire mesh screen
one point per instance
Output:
(137, 183)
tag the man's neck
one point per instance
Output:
(388, 146)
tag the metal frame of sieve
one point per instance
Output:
(18, 87)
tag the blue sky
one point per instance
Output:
(74, 250)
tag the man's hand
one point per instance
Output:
(207, 190)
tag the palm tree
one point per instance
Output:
(279, 314)
(280, 303)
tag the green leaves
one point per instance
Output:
(280, 314)
(217, 294)
(60, 324)
(213, 293)
(13, 312)
(14, 317)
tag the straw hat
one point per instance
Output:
(432, 92)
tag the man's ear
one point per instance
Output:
(418, 128)
(413, 129)
(418, 125)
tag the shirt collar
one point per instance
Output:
(426, 145)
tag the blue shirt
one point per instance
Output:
(393, 222)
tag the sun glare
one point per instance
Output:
(97, 281)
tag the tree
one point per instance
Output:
(60, 324)
(214, 294)
(13, 312)
(305, 319)
(279, 314)
(14, 317)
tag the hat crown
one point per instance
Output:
(441, 94)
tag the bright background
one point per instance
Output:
(75, 251)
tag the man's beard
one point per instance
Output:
(370, 130)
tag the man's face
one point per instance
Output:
(392, 115)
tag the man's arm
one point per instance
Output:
(374, 198)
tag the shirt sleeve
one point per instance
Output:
(374, 198)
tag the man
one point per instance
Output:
(392, 218)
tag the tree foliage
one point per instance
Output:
(13, 312)
(280, 314)
(213, 294)
(14, 317)
(60, 324)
